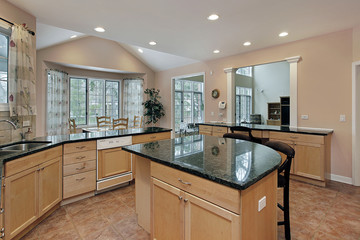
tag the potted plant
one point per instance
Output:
(153, 108)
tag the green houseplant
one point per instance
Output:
(153, 108)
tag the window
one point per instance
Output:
(246, 71)
(189, 107)
(243, 104)
(91, 98)
(4, 54)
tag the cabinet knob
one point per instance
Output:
(1, 210)
(186, 200)
(180, 197)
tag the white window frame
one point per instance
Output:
(4, 107)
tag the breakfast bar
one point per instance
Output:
(205, 187)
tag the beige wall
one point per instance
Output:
(90, 52)
(356, 44)
(17, 16)
(324, 86)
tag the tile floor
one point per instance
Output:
(316, 213)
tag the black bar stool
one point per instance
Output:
(241, 135)
(284, 180)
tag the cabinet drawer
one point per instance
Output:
(218, 194)
(79, 147)
(79, 157)
(205, 128)
(151, 137)
(220, 129)
(79, 183)
(79, 167)
(32, 160)
(298, 137)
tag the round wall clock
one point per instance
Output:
(215, 93)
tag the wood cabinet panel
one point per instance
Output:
(167, 210)
(79, 167)
(220, 129)
(309, 161)
(204, 220)
(50, 185)
(136, 139)
(298, 137)
(112, 162)
(32, 160)
(21, 201)
(79, 157)
(79, 147)
(221, 195)
(79, 183)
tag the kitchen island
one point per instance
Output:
(204, 187)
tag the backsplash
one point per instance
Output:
(7, 132)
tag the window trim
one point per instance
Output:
(4, 107)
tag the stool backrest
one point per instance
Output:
(241, 132)
(285, 149)
(237, 136)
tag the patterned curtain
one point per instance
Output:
(133, 98)
(22, 96)
(57, 103)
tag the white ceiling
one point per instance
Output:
(180, 27)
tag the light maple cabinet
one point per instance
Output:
(312, 155)
(212, 130)
(113, 161)
(189, 217)
(32, 187)
(79, 168)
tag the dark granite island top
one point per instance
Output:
(234, 163)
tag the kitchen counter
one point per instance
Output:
(58, 140)
(313, 131)
(234, 163)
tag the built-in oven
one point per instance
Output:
(114, 165)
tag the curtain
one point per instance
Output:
(22, 96)
(133, 98)
(57, 103)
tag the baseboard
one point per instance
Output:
(342, 179)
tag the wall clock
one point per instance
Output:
(215, 93)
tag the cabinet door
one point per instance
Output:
(204, 220)
(50, 185)
(167, 212)
(309, 160)
(21, 201)
(113, 161)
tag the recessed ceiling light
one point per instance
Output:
(216, 51)
(247, 43)
(73, 36)
(213, 17)
(152, 43)
(140, 50)
(99, 29)
(283, 34)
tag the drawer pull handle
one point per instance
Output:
(2, 235)
(186, 183)
(180, 197)
(80, 147)
(293, 137)
(153, 137)
(80, 179)
(80, 157)
(81, 168)
(2, 230)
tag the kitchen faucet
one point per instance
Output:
(8, 121)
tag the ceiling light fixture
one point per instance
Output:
(152, 43)
(73, 36)
(283, 34)
(99, 29)
(216, 51)
(247, 43)
(140, 50)
(213, 17)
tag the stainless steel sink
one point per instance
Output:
(7, 152)
(23, 146)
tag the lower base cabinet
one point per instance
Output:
(31, 193)
(195, 218)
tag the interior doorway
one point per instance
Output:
(356, 123)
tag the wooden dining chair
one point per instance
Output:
(72, 125)
(138, 121)
(284, 181)
(120, 123)
(103, 121)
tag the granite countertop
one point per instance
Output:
(234, 163)
(304, 130)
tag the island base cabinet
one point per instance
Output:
(309, 161)
(189, 217)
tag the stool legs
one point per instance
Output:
(287, 212)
